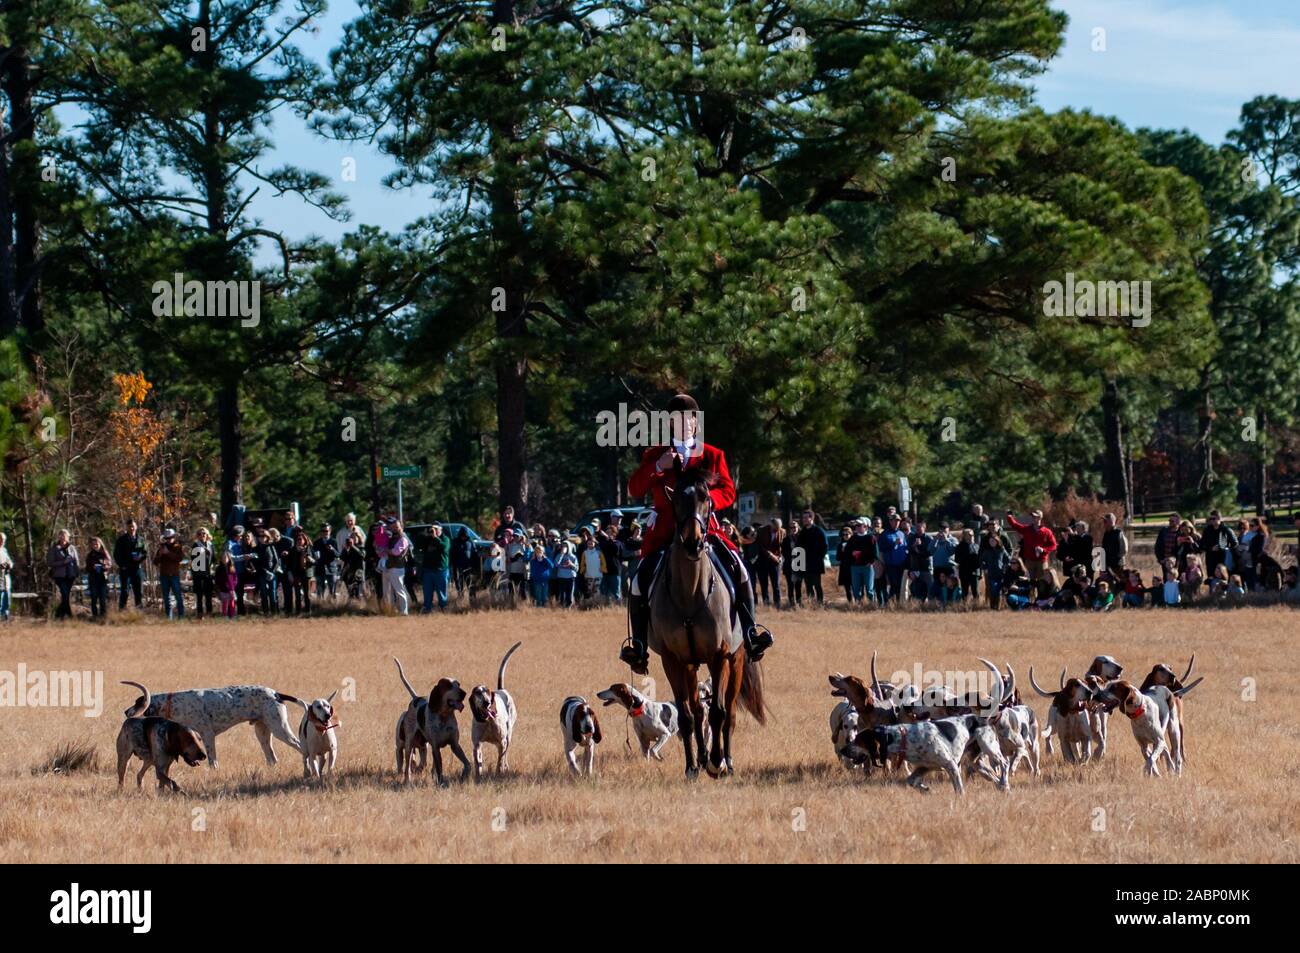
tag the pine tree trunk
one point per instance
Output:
(19, 89)
(374, 460)
(230, 427)
(511, 323)
(1261, 463)
(1205, 445)
(1114, 476)
(8, 268)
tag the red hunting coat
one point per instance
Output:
(646, 480)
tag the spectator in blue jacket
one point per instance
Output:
(892, 546)
(943, 555)
(539, 574)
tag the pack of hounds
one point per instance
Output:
(889, 726)
(880, 725)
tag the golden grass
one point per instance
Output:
(790, 800)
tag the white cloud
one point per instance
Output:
(1188, 46)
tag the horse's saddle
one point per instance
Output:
(661, 575)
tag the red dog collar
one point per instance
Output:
(638, 711)
(1137, 714)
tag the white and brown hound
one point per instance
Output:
(409, 741)
(157, 742)
(653, 722)
(318, 735)
(846, 725)
(435, 719)
(1148, 713)
(1162, 674)
(1016, 727)
(494, 717)
(1067, 717)
(1103, 669)
(580, 728)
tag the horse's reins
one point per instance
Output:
(688, 621)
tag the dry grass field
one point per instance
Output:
(790, 800)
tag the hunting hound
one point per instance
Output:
(580, 729)
(1067, 717)
(653, 722)
(433, 719)
(1149, 714)
(494, 717)
(845, 725)
(1016, 727)
(157, 742)
(318, 735)
(1162, 674)
(210, 711)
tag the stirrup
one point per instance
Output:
(635, 657)
(757, 641)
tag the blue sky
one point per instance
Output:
(1167, 63)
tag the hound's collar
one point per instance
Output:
(320, 725)
(638, 711)
(1137, 714)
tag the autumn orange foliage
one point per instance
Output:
(137, 438)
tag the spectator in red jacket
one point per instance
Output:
(686, 457)
(1037, 543)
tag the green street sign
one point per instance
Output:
(412, 472)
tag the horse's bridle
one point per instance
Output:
(704, 521)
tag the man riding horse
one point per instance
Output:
(686, 459)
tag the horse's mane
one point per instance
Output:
(700, 482)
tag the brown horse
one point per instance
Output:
(691, 625)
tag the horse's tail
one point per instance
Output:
(751, 690)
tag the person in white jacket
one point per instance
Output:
(6, 576)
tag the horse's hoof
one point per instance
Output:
(692, 774)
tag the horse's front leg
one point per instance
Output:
(734, 685)
(720, 670)
(685, 718)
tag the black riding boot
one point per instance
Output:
(635, 653)
(757, 638)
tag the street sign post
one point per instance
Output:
(408, 472)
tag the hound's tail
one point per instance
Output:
(281, 697)
(142, 704)
(751, 690)
(409, 689)
(501, 672)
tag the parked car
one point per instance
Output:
(419, 533)
(270, 518)
(832, 548)
(601, 516)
